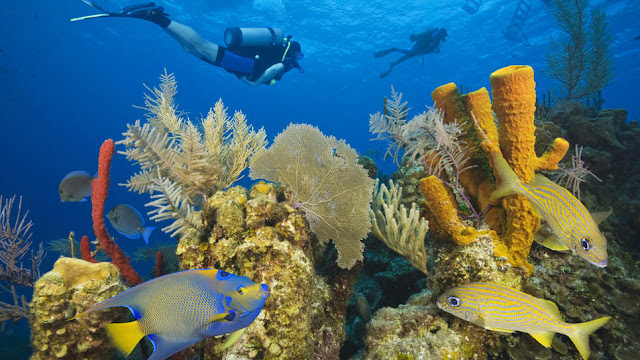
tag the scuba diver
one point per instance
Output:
(425, 43)
(254, 55)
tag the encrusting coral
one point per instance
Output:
(269, 241)
(71, 287)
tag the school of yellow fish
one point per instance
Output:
(501, 308)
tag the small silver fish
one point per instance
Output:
(75, 186)
(129, 222)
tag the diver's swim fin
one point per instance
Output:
(381, 53)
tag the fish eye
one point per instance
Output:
(586, 244)
(454, 301)
(240, 290)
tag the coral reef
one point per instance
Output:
(265, 238)
(71, 287)
(464, 168)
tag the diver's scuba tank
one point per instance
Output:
(237, 37)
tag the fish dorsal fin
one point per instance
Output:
(544, 337)
(601, 216)
(550, 242)
(551, 308)
(541, 180)
(233, 338)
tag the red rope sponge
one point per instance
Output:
(99, 193)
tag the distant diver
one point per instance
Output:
(254, 55)
(424, 43)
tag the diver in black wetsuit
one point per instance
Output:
(424, 43)
(254, 55)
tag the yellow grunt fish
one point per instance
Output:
(572, 224)
(501, 308)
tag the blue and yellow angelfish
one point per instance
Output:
(573, 226)
(178, 310)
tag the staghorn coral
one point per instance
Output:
(326, 182)
(401, 232)
(181, 161)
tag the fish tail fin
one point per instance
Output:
(508, 179)
(125, 336)
(146, 232)
(581, 332)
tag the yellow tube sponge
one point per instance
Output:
(444, 212)
(514, 98)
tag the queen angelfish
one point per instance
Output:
(501, 308)
(180, 309)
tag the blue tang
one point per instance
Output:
(180, 309)
(75, 186)
(128, 221)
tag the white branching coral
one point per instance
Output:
(402, 231)
(328, 184)
(182, 162)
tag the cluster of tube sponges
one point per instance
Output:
(512, 224)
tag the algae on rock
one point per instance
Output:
(70, 288)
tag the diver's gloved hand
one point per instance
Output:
(148, 11)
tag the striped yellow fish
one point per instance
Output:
(572, 224)
(501, 308)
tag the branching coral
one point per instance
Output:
(402, 231)
(182, 162)
(582, 57)
(427, 140)
(15, 243)
(327, 183)
(574, 176)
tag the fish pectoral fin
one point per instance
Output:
(125, 336)
(233, 338)
(504, 331)
(544, 337)
(601, 216)
(550, 242)
(218, 318)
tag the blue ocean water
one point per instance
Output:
(67, 86)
